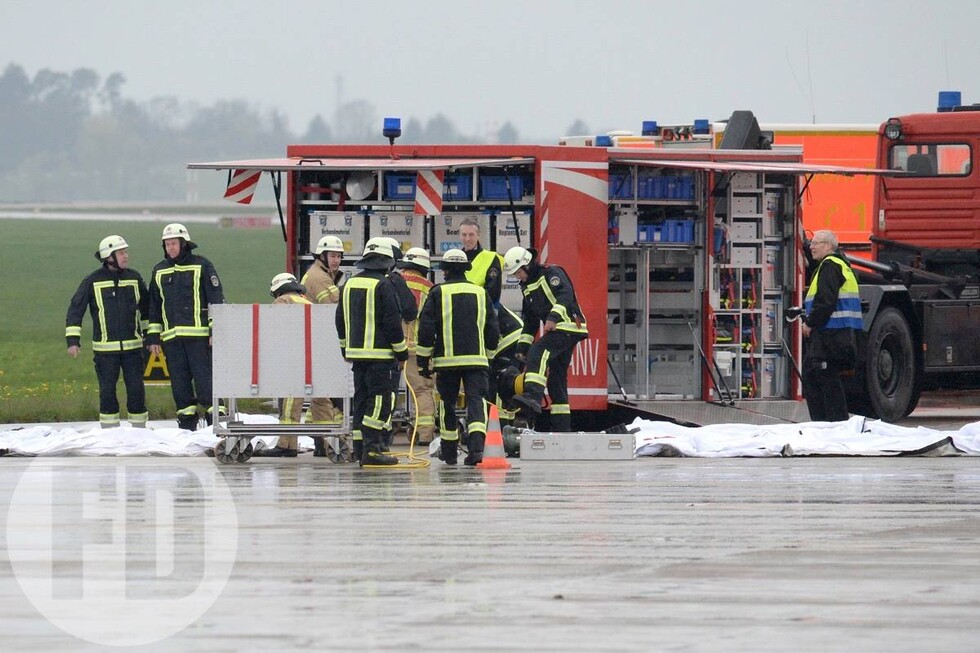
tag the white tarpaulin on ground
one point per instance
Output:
(92, 440)
(858, 436)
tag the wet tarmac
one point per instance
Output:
(652, 554)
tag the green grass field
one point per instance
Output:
(43, 261)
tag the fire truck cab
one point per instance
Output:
(921, 291)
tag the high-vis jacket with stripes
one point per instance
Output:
(180, 292)
(458, 326)
(117, 301)
(368, 323)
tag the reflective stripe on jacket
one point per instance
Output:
(180, 293)
(549, 295)
(847, 312)
(420, 287)
(486, 270)
(458, 326)
(368, 324)
(116, 301)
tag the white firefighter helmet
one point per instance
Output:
(109, 245)
(455, 259)
(515, 259)
(281, 280)
(380, 246)
(176, 230)
(329, 244)
(377, 256)
(396, 247)
(417, 256)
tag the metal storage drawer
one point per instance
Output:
(578, 446)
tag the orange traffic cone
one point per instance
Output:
(493, 452)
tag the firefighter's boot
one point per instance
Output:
(319, 448)
(276, 452)
(448, 451)
(357, 450)
(527, 403)
(474, 449)
(373, 454)
(187, 422)
(387, 437)
(561, 423)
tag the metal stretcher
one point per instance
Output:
(277, 350)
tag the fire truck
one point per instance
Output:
(683, 259)
(921, 289)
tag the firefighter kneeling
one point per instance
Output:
(550, 298)
(458, 332)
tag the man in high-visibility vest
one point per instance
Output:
(485, 266)
(833, 316)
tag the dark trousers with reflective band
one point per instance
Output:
(551, 356)
(375, 385)
(107, 366)
(824, 391)
(475, 385)
(189, 365)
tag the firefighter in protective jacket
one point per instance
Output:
(549, 298)
(322, 283)
(371, 338)
(458, 332)
(286, 290)
(116, 297)
(182, 287)
(415, 267)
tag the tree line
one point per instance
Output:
(75, 136)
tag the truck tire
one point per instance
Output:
(889, 370)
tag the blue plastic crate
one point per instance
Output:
(649, 233)
(399, 187)
(458, 188)
(495, 187)
(687, 188)
(620, 187)
(678, 231)
(647, 187)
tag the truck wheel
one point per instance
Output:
(890, 366)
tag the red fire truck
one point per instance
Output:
(922, 300)
(684, 260)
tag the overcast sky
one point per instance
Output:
(539, 63)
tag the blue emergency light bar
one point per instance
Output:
(392, 128)
(701, 126)
(603, 141)
(949, 100)
(650, 128)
